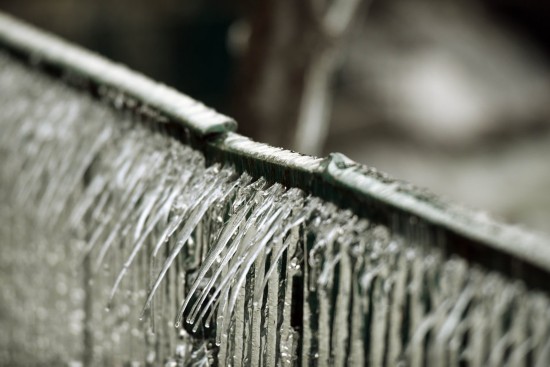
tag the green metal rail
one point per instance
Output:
(508, 250)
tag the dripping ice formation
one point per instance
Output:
(122, 245)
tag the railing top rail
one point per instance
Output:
(369, 193)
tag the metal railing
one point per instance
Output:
(512, 252)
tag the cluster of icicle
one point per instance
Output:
(165, 260)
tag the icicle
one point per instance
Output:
(194, 217)
(260, 272)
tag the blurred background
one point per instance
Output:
(452, 95)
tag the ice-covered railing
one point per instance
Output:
(123, 200)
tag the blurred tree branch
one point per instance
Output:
(285, 78)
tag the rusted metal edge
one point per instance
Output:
(414, 213)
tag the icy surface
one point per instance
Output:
(121, 247)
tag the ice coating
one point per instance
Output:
(104, 215)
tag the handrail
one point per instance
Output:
(466, 233)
